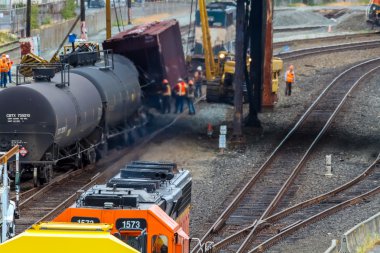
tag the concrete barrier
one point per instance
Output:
(333, 247)
(362, 237)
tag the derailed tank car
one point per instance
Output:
(68, 117)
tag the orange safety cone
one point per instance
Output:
(210, 131)
(329, 29)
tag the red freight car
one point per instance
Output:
(155, 49)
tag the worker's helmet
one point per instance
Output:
(165, 81)
(199, 68)
(3, 55)
(191, 82)
(180, 79)
(7, 56)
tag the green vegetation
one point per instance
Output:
(69, 10)
(6, 37)
(34, 18)
(47, 20)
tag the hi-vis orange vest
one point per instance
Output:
(168, 90)
(181, 88)
(289, 76)
(4, 66)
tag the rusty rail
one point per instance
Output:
(328, 49)
(315, 218)
(233, 205)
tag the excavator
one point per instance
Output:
(219, 71)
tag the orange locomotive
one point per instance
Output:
(148, 203)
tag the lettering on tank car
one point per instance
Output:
(18, 142)
(61, 130)
(17, 117)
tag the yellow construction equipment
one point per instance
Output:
(220, 70)
(55, 237)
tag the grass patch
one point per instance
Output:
(69, 10)
(34, 16)
(7, 37)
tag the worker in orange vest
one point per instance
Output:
(289, 80)
(166, 94)
(190, 95)
(180, 90)
(10, 64)
(4, 68)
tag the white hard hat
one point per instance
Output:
(199, 68)
(180, 79)
(7, 56)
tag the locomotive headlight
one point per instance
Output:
(222, 56)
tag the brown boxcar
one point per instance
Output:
(155, 49)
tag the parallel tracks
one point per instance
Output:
(266, 189)
(328, 49)
(47, 202)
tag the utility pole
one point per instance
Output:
(108, 19)
(83, 29)
(257, 47)
(28, 17)
(268, 96)
(239, 70)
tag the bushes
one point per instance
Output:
(34, 17)
(69, 10)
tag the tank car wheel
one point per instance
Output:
(102, 150)
(128, 138)
(47, 173)
(36, 181)
(91, 156)
(141, 131)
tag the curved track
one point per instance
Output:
(263, 193)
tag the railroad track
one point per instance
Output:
(240, 223)
(328, 49)
(43, 204)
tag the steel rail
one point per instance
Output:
(297, 169)
(315, 218)
(327, 49)
(298, 207)
(100, 177)
(233, 205)
(327, 38)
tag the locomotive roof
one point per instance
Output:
(136, 193)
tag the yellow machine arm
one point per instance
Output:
(207, 48)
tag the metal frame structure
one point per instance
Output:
(5, 201)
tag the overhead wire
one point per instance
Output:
(121, 15)
(188, 34)
(117, 19)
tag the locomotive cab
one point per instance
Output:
(148, 231)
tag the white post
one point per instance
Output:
(4, 202)
(17, 184)
(328, 166)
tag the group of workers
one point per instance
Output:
(5, 68)
(183, 92)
